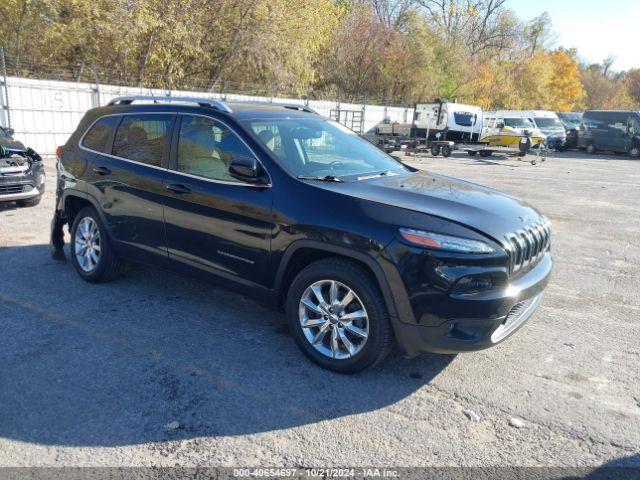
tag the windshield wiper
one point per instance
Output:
(326, 178)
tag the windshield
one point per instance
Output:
(518, 122)
(544, 122)
(318, 147)
(570, 119)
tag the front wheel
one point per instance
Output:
(446, 151)
(91, 250)
(634, 152)
(591, 148)
(435, 150)
(337, 316)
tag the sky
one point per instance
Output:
(596, 28)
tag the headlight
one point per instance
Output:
(444, 242)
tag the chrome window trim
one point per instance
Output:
(81, 142)
(198, 177)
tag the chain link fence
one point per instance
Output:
(44, 112)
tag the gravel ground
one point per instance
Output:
(158, 369)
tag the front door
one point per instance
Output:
(214, 221)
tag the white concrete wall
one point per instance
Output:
(44, 113)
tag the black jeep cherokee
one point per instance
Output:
(295, 210)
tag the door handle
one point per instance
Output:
(178, 188)
(102, 170)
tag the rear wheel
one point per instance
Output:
(591, 148)
(485, 153)
(91, 250)
(337, 317)
(446, 151)
(435, 150)
(634, 152)
(471, 153)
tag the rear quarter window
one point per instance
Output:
(99, 134)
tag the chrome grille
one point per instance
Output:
(9, 189)
(527, 245)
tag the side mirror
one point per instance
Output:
(246, 169)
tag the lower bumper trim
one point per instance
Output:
(463, 335)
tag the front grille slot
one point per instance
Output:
(527, 246)
(11, 189)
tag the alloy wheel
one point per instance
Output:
(333, 319)
(87, 244)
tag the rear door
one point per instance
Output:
(595, 130)
(616, 140)
(215, 222)
(127, 182)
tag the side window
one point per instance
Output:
(100, 133)
(206, 147)
(464, 119)
(143, 138)
(592, 123)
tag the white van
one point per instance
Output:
(545, 121)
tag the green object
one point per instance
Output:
(3, 151)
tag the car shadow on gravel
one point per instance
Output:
(156, 356)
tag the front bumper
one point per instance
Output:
(556, 143)
(490, 317)
(12, 193)
(25, 186)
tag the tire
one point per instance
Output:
(634, 152)
(590, 148)
(32, 202)
(435, 150)
(446, 151)
(471, 153)
(107, 267)
(485, 153)
(347, 275)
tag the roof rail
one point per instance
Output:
(291, 106)
(203, 102)
(295, 106)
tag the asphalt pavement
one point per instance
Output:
(158, 369)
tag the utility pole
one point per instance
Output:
(5, 113)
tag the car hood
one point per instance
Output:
(13, 144)
(483, 209)
(553, 131)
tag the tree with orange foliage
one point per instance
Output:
(566, 89)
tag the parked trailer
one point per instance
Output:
(441, 128)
